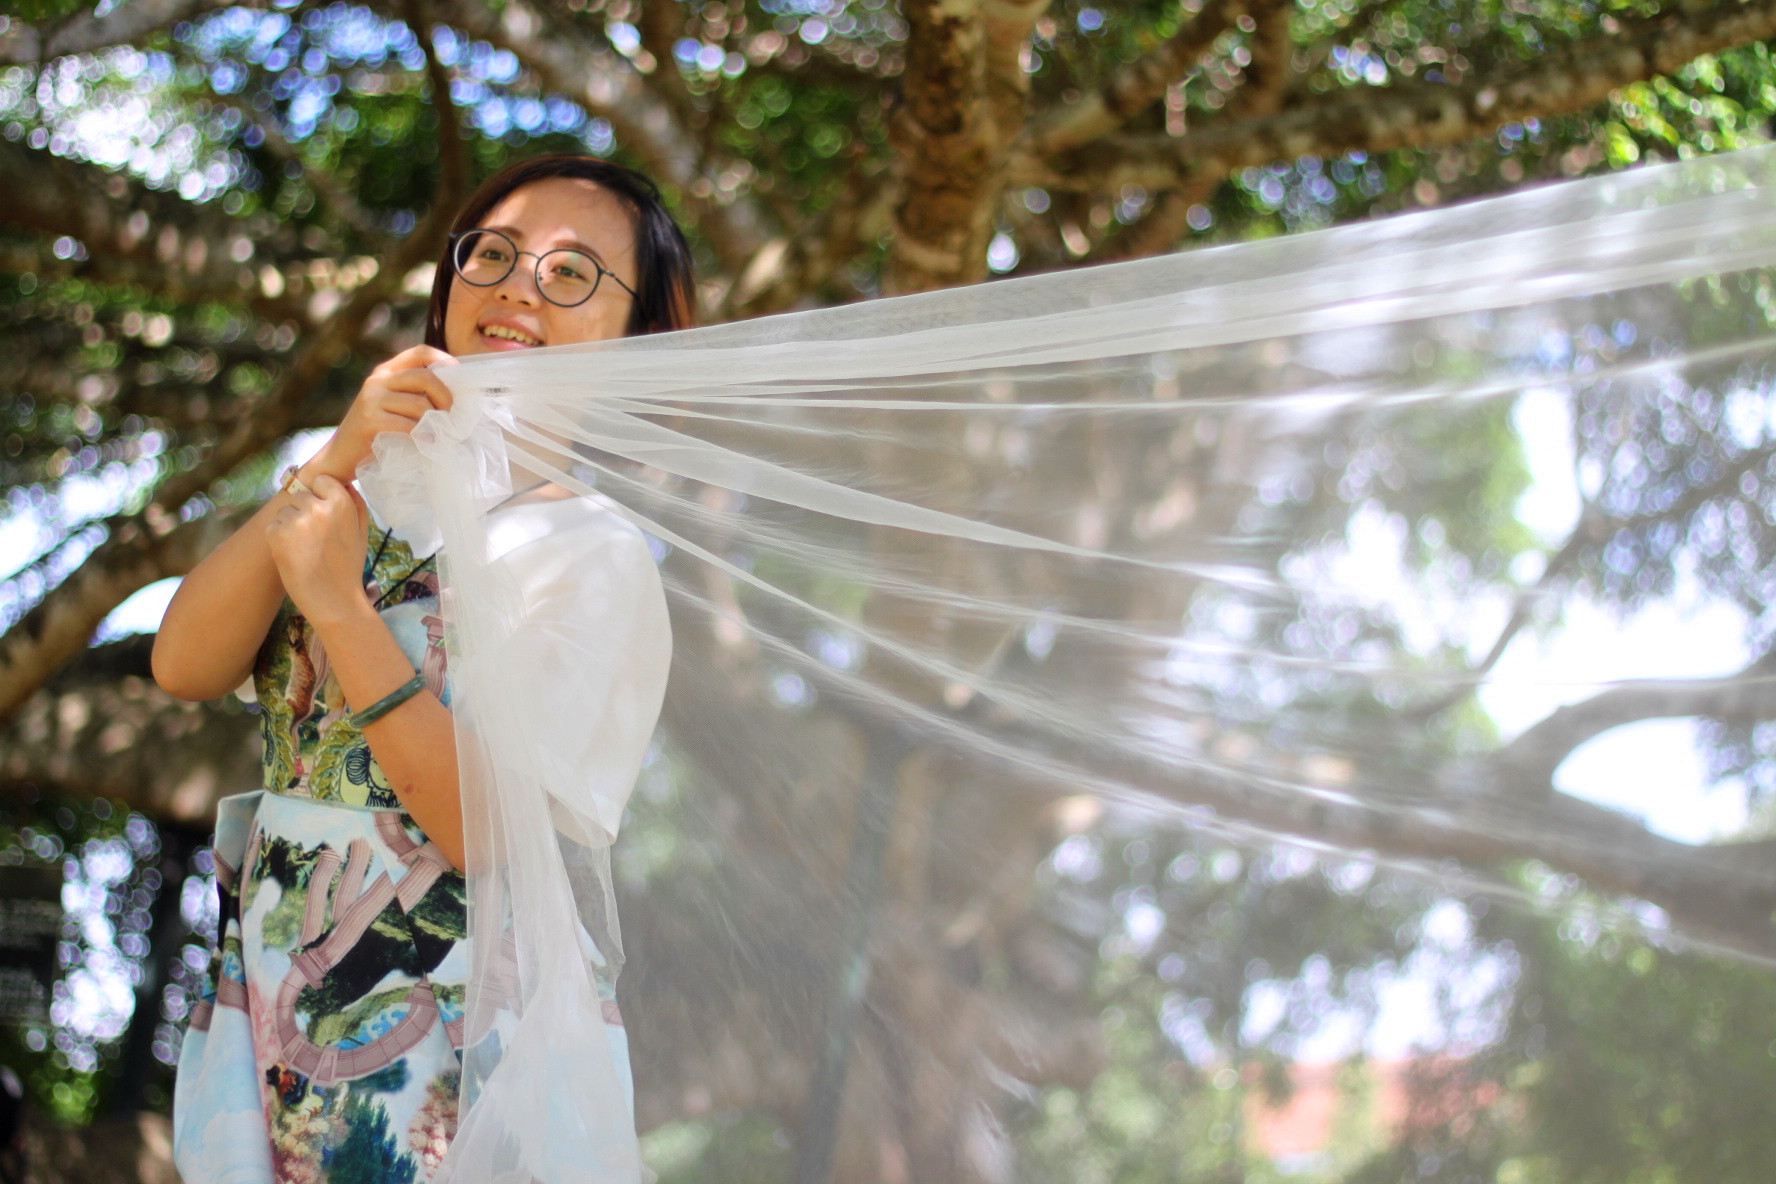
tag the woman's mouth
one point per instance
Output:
(509, 337)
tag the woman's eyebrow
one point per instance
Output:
(513, 233)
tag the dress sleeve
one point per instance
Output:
(594, 644)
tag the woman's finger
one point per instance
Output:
(330, 490)
(426, 355)
(422, 382)
(359, 504)
(415, 356)
(406, 404)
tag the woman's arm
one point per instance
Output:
(415, 744)
(317, 543)
(309, 546)
(218, 618)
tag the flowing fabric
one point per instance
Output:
(1086, 537)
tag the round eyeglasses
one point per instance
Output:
(565, 277)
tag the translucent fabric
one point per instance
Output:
(1082, 542)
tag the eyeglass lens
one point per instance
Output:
(485, 257)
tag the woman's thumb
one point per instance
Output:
(358, 501)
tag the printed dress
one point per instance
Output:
(327, 1044)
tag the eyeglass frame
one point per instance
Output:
(537, 274)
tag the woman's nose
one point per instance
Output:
(520, 284)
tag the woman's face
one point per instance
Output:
(543, 216)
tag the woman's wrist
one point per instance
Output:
(326, 462)
(341, 611)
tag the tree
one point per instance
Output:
(217, 217)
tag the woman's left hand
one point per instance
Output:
(317, 542)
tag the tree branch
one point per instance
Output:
(328, 345)
(1532, 758)
(101, 727)
(58, 629)
(1725, 893)
(23, 44)
(1158, 230)
(453, 162)
(1593, 530)
(136, 552)
(1266, 77)
(134, 234)
(788, 269)
(823, 67)
(1521, 608)
(1358, 20)
(1417, 114)
(325, 184)
(661, 26)
(1135, 87)
(965, 97)
(644, 123)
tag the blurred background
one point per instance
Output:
(214, 218)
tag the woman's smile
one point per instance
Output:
(498, 333)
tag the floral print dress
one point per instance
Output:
(327, 1044)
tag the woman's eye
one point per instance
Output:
(491, 254)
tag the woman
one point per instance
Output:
(329, 1041)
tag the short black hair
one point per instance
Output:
(664, 295)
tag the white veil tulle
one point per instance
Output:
(1081, 541)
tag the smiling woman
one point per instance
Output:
(609, 215)
(500, 304)
(339, 1030)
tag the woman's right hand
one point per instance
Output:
(392, 399)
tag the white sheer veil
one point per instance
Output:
(1079, 542)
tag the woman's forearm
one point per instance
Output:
(415, 744)
(216, 622)
(218, 618)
